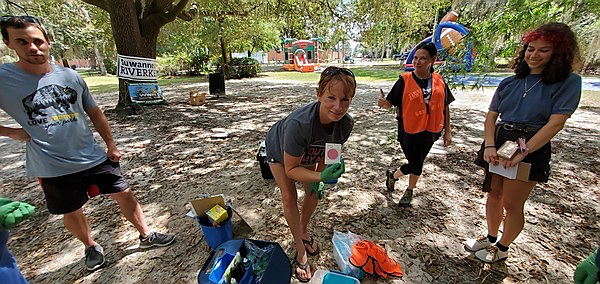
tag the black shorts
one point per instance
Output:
(539, 160)
(65, 194)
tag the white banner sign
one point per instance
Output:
(136, 68)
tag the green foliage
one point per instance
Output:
(396, 24)
(66, 26)
(497, 29)
(239, 68)
(191, 62)
(111, 65)
(199, 61)
(243, 26)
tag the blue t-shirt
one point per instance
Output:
(541, 101)
(51, 109)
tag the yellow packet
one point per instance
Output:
(217, 214)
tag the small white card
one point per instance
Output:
(510, 173)
(333, 153)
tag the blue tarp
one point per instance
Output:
(588, 84)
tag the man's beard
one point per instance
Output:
(36, 59)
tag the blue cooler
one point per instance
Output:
(334, 277)
(215, 236)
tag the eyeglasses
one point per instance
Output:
(332, 70)
(12, 19)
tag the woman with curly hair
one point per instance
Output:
(534, 104)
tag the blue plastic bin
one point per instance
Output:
(215, 236)
(334, 277)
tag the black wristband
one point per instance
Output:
(490, 146)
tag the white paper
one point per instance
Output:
(510, 173)
(333, 153)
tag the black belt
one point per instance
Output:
(520, 127)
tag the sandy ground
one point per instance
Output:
(170, 158)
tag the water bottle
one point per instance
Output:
(332, 181)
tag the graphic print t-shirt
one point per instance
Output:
(51, 109)
(301, 134)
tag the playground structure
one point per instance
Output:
(447, 37)
(301, 55)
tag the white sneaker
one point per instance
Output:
(491, 254)
(474, 245)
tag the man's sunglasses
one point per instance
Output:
(29, 19)
(332, 70)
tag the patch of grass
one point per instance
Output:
(102, 84)
(293, 76)
(377, 73)
(182, 80)
(88, 72)
(363, 74)
(107, 84)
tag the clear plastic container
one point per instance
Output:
(342, 249)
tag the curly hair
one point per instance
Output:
(565, 52)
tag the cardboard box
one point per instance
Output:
(197, 98)
(201, 205)
(519, 172)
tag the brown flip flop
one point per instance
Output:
(304, 267)
(309, 244)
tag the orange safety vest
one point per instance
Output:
(416, 116)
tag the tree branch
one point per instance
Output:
(161, 17)
(102, 4)
(172, 14)
(332, 10)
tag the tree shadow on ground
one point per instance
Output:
(170, 157)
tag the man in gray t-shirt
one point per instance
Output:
(51, 103)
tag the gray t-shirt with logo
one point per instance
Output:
(51, 109)
(301, 134)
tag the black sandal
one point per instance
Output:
(309, 244)
(304, 267)
(390, 181)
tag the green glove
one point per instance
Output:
(13, 213)
(317, 188)
(586, 271)
(333, 172)
(4, 201)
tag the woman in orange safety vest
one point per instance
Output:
(421, 99)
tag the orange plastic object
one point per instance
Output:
(373, 259)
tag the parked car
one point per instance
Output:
(400, 56)
(348, 59)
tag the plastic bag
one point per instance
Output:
(342, 249)
(259, 258)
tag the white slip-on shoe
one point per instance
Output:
(491, 254)
(474, 245)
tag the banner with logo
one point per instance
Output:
(145, 93)
(136, 68)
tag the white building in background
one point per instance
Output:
(260, 56)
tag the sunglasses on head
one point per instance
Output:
(29, 19)
(330, 71)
